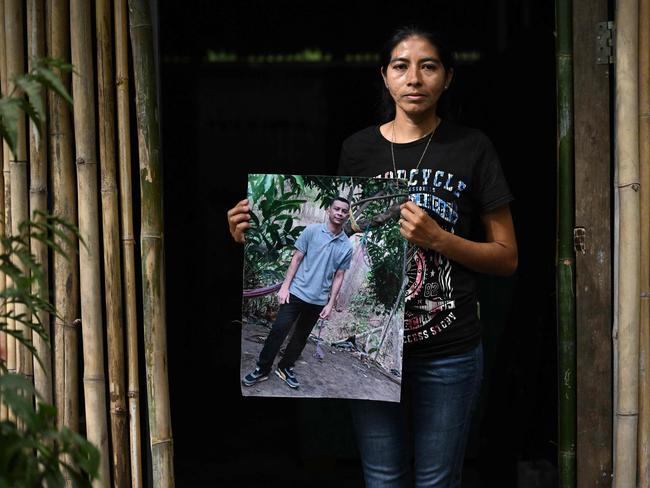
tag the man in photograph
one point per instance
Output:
(308, 293)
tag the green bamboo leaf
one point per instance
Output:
(32, 89)
(10, 111)
(49, 62)
(51, 81)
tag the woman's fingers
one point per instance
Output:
(238, 218)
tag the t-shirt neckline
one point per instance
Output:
(416, 142)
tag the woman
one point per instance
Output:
(455, 181)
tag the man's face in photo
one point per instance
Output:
(338, 212)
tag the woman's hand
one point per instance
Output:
(420, 229)
(497, 256)
(238, 221)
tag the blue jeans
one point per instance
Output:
(431, 424)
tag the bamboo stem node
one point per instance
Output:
(636, 186)
(156, 442)
(82, 161)
(94, 379)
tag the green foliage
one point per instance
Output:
(30, 84)
(386, 251)
(360, 311)
(30, 456)
(385, 245)
(270, 240)
(15, 257)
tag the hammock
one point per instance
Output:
(259, 292)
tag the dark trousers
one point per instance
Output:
(306, 315)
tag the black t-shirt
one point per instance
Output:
(459, 178)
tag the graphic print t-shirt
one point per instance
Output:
(459, 178)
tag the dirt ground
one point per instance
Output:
(340, 374)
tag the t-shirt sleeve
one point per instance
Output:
(347, 260)
(303, 240)
(492, 189)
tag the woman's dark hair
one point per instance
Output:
(436, 39)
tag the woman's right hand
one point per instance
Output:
(238, 221)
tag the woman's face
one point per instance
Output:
(415, 77)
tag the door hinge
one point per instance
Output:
(605, 42)
(579, 240)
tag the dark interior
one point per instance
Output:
(230, 105)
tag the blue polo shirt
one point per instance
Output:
(325, 253)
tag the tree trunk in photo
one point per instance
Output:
(38, 202)
(15, 50)
(152, 258)
(89, 254)
(111, 236)
(64, 201)
(4, 339)
(128, 240)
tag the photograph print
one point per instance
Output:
(324, 288)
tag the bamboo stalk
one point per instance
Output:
(112, 275)
(627, 161)
(15, 50)
(644, 171)
(4, 340)
(89, 264)
(565, 255)
(151, 241)
(38, 202)
(64, 200)
(6, 171)
(128, 240)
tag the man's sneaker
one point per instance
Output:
(255, 377)
(287, 375)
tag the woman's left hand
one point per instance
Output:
(418, 228)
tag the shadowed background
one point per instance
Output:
(274, 87)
